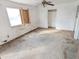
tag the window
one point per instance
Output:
(14, 16)
(18, 16)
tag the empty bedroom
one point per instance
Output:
(39, 29)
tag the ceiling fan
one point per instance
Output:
(47, 3)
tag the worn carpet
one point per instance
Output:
(41, 44)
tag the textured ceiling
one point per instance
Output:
(36, 2)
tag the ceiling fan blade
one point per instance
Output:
(50, 4)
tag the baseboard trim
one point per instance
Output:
(18, 37)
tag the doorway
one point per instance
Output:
(52, 18)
